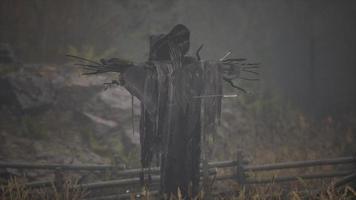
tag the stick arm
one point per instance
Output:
(134, 80)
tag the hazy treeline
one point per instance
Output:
(307, 47)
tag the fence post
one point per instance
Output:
(240, 171)
(59, 181)
(354, 163)
(205, 178)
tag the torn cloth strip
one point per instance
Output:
(170, 122)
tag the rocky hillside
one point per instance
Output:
(53, 114)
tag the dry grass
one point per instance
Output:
(14, 190)
(17, 190)
(270, 192)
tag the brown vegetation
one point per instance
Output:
(16, 190)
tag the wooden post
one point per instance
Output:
(59, 181)
(205, 183)
(204, 159)
(354, 162)
(240, 171)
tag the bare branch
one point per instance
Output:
(83, 59)
(198, 51)
(233, 85)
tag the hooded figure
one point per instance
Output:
(170, 124)
(180, 101)
(173, 114)
(160, 44)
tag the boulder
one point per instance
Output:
(25, 91)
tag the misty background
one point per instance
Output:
(307, 48)
(302, 108)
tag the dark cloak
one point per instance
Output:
(170, 87)
(171, 124)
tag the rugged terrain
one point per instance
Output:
(53, 114)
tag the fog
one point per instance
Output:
(302, 107)
(306, 48)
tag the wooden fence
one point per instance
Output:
(241, 168)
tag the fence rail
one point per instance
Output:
(243, 180)
(216, 164)
(300, 164)
(30, 166)
(301, 177)
(18, 165)
(288, 178)
(241, 173)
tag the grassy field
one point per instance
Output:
(16, 190)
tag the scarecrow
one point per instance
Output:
(180, 99)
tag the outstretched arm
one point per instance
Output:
(134, 77)
(233, 68)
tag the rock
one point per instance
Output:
(31, 91)
(119, 97)
(6, 54)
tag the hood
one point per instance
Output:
(159, 44)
